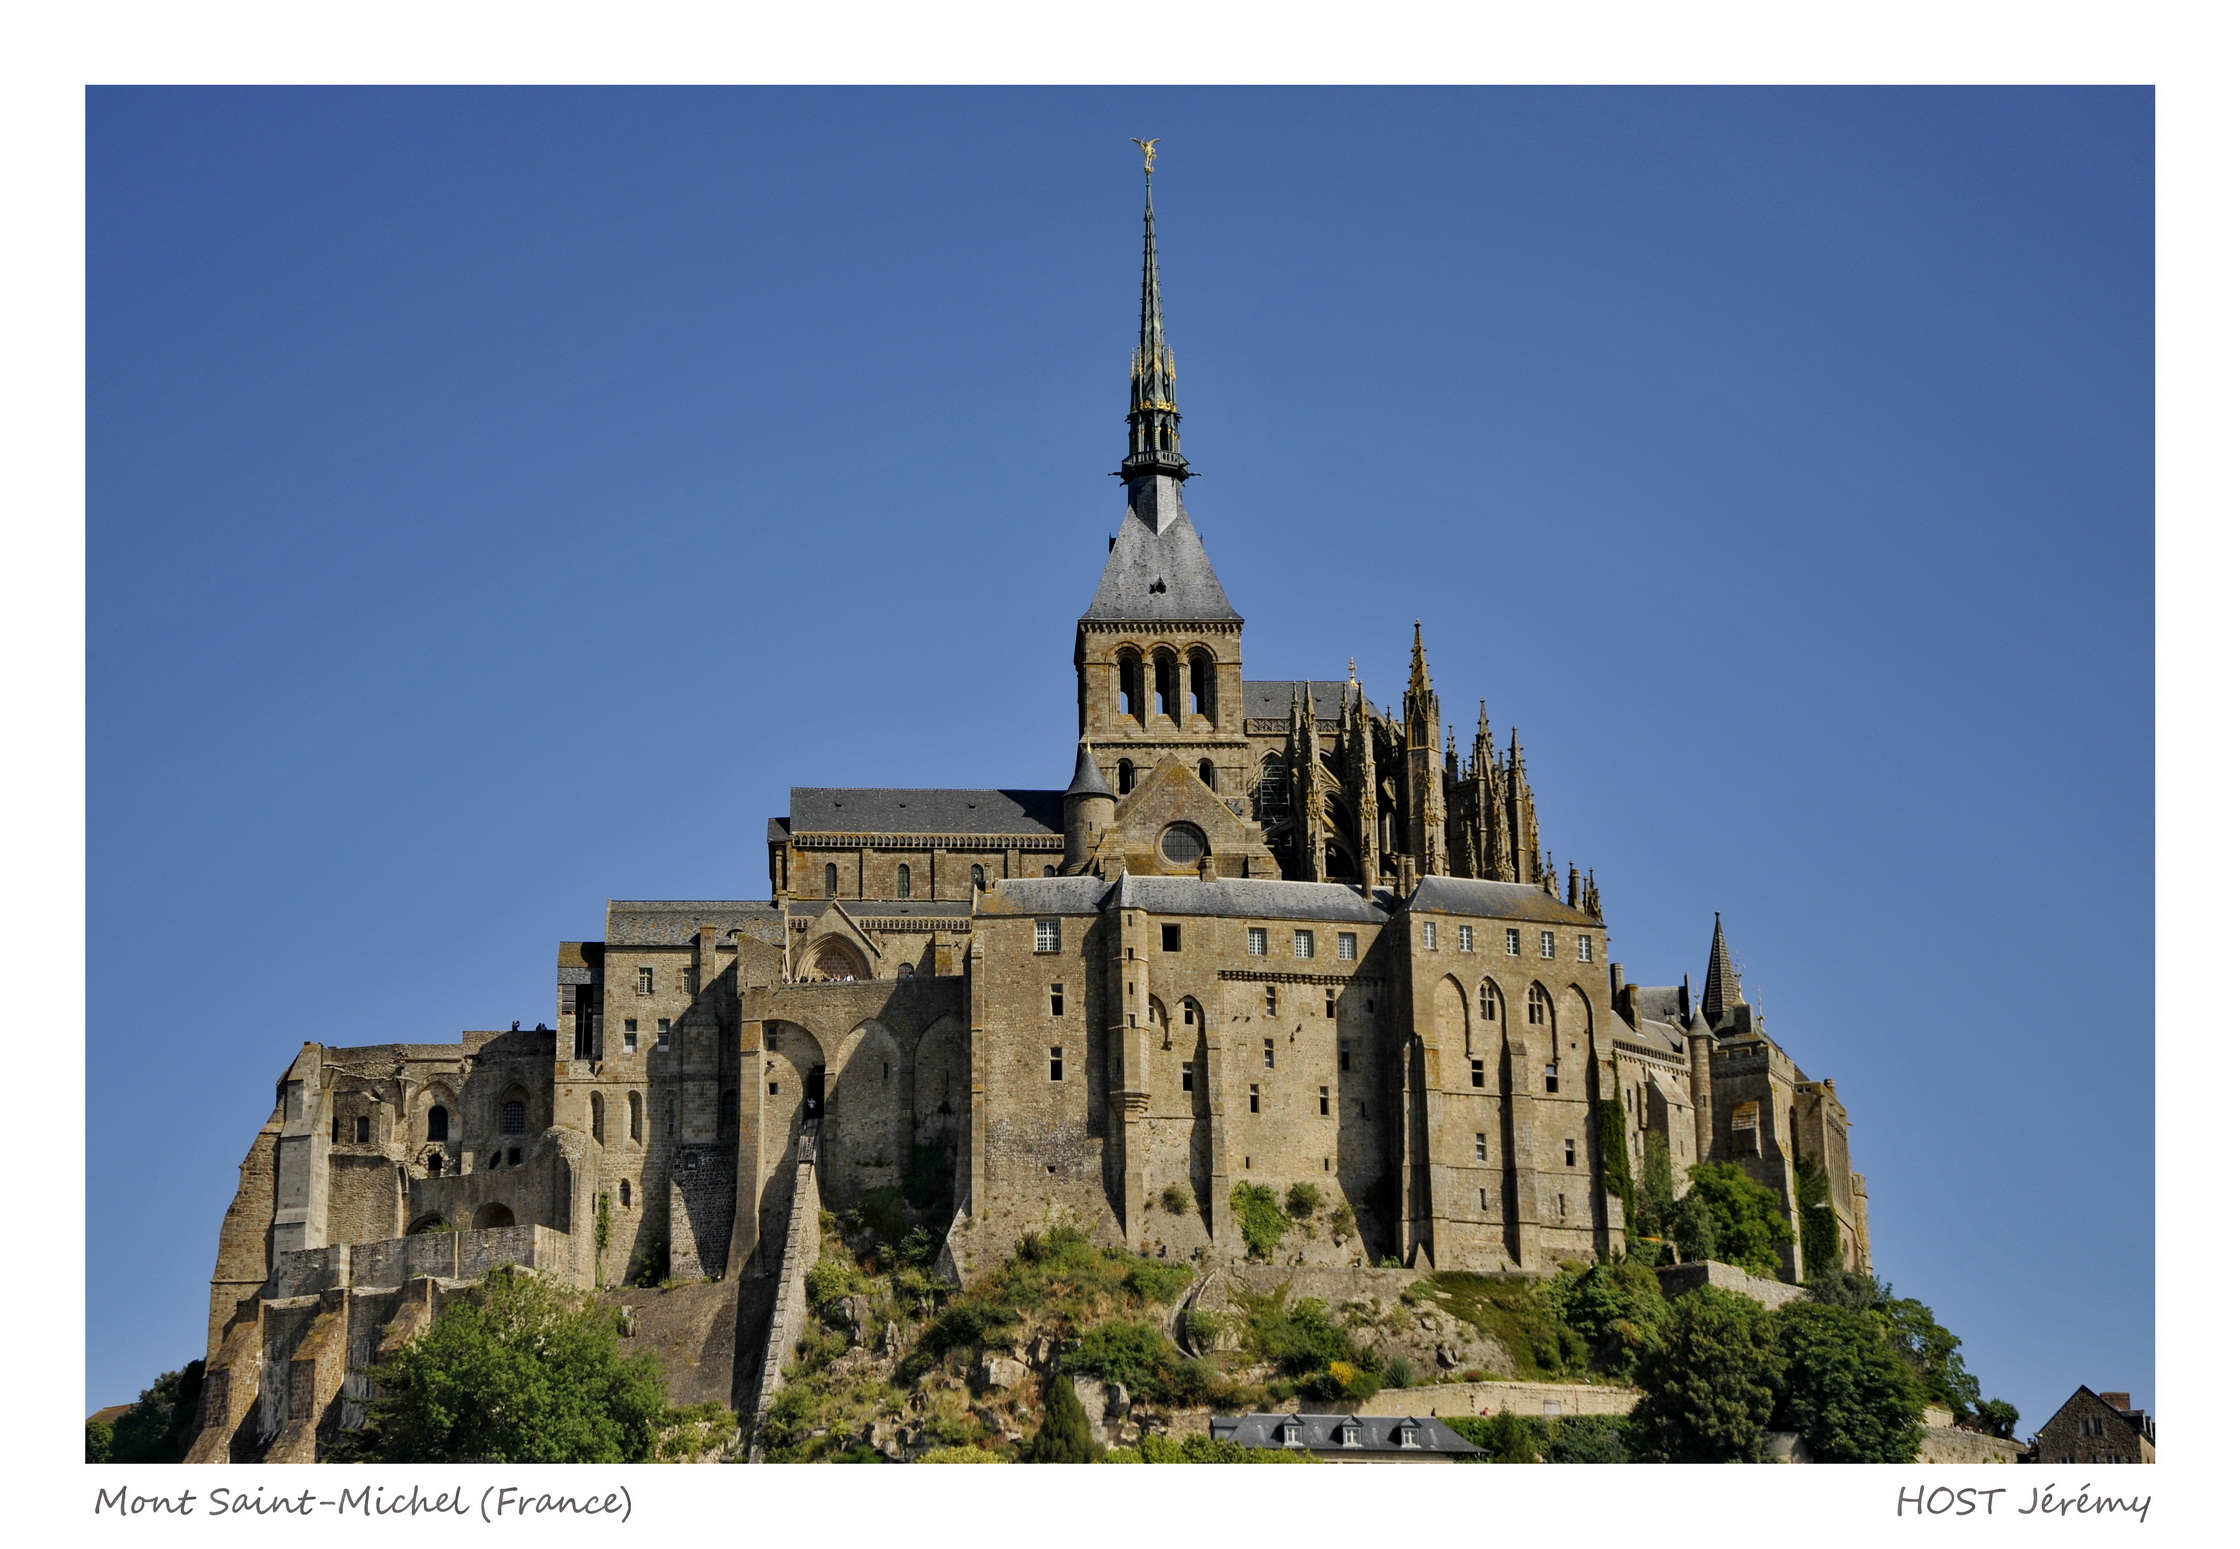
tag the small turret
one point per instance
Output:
(1088, 803)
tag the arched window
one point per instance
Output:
(1539, 1010)
(1489, 1005)
(1049, 871)
(637, 1121)
(1131, 685)
(1127, 775)
(902, 882)
(492, 1217)
(1275, 789)
(513, 1117)
(598, 1118)
(439, 1122)
(1163, 688)
(1205, 772)
(979, 879)
(831, 880)
(1201, 685)
(626, 1185)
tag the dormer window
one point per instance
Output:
(1408, 1434)
(1349, 1435)
(1291, 1433)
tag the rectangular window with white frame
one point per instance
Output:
(1430, 935)
(1255, 941)
(1302, 943)
(1586, 949)
(1516, 942)
(1349, 946)
(1046, 935)
(1465, 939)
(1547, 943)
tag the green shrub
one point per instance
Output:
(1708, 1382)
(1058, 1275)
(99, 1438)
(830, 1281)
(1260, 1218)
(518, 1370)
(1142, 1359)
(1399, 1374)
(1342, 1223)
(1203, 1327)
(1731, 1217)
(1176, 1199)
(1617, 1158)
(1844, 1390)
(1506, 1437)
(1652, 1200)
(1518, 1313)
(1151, 1280)
(1303, 1201)
(694, 1431)
(962, 1455)
(1589, 1439)
(160, 1425)
(1615, 1310)
(1064, 1437)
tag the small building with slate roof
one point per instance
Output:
(1348, 1438)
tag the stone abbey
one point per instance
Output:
(1268, 933)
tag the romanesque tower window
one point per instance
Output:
(902, 882)
(439, 1123)
(1131, 690)
(1127, 776)
(1515, 940)
(979, 879)
(1163, 686)
(1205, 773)
(831, 880)
(1201, 685)
(1539, 1011)
(645, 979)
(1255, 942)
(1465, 939)
(1349, 946)
(513, 1117)
(1547, 943)
(1046, 935)
(1302, 943)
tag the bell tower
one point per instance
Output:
(1159, 655)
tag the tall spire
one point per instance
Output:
(1722, 986)
(1154, 424)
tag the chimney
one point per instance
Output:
(2119, 1400)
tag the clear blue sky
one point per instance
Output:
(499, 498)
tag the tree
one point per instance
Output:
(1929, 1349)
(1506, 1437)
(1615, 1310)
(159, 1427)
(518, 1370)
(1730, 1216)
(1708, 1382)
(1064, 1437)
(1844, 1390)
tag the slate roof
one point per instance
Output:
(1655, 1034)
(884, 810)
(1271, 699)
(1088, 779)
(1238, 898)
(1324, 1433)
(1044, 895)
(1512, 900)
(674, 922)
(1174, 562)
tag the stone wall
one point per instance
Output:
(1679, 1279)
(1519, 1398)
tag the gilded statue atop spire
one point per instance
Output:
(1150, 153)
